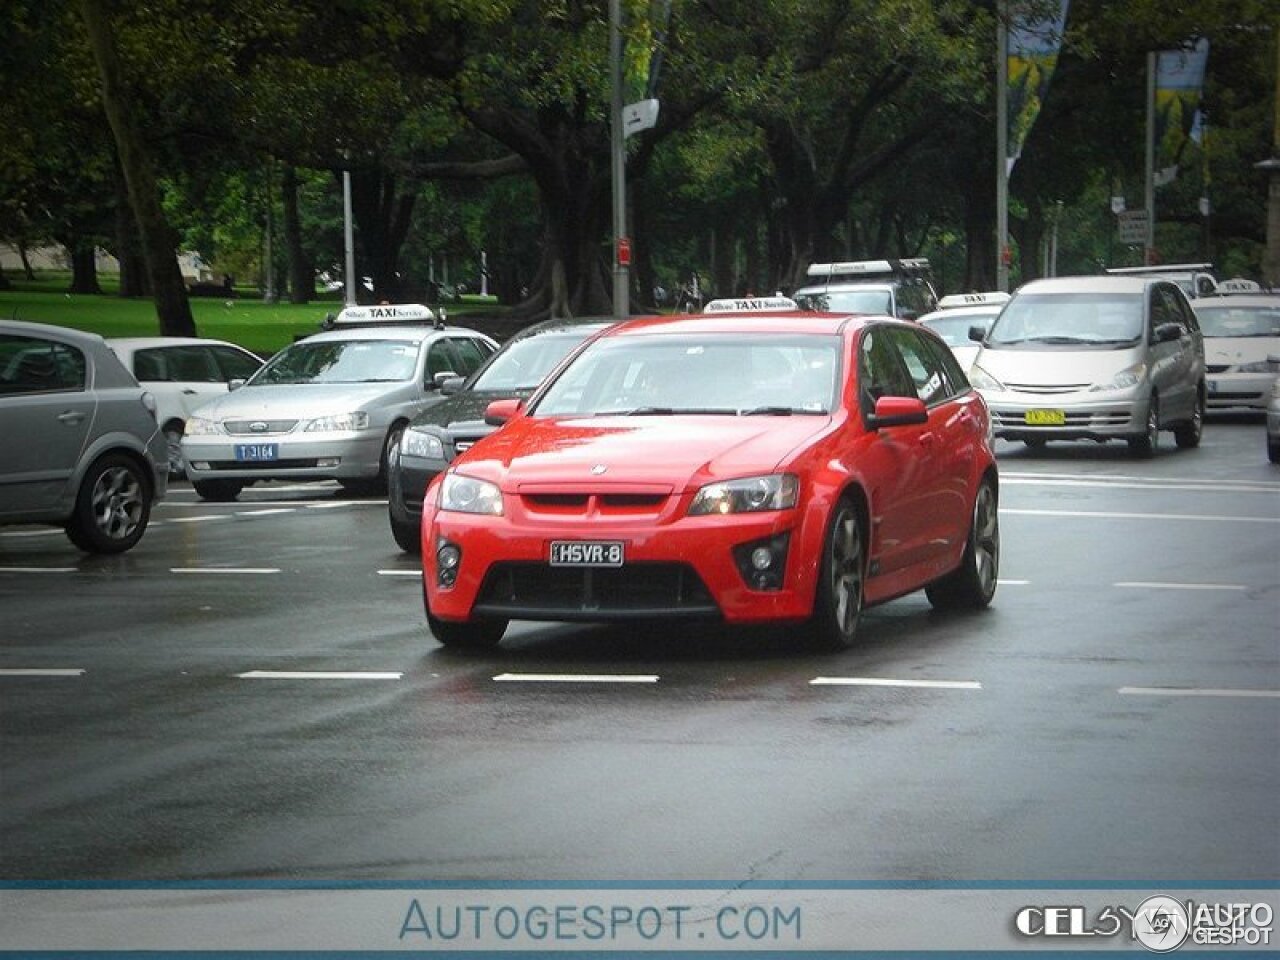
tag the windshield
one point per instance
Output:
(1111, 320)
(524, 364)
(733, 374)
(1240, 321)
(847, 301)
(955, 329)
(340, 361)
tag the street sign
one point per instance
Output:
(1132, 226)
(639, 116)
(624, 251)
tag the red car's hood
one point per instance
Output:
(675, 453)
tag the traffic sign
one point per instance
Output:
(1132, 226)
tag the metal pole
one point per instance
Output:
(617, 144)
(1149, 192)
(1002, 147)
(348, 240)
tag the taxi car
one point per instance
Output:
(747, 468)
(442, 431)
(899, 288)
(81, 446)
(328, 407)
(1241, 333)
(957, 316)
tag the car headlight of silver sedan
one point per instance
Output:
(776, 491)
(1126, 378)
(200, 427)
(415, 443)
(339, 423)
(464, 494)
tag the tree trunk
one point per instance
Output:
(383, 216)
(4, 281)
(302, 274)
(27, 271)
(159, 241)
(84, 267)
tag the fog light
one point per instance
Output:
(448, 556)
(762, 564)
(200, 464)
(761, 558)
(328, 461)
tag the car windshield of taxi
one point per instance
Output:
(340, 361)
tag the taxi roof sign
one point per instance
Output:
(385, 313)
(865, 268)
(951, 301)
(751, 305)
(1239, 285)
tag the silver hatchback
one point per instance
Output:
(79, 444)
(1094, 358)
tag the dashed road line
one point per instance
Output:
(891, 682)
(40, 672)
(1197, 692)
(400, 573)
(1111, 515)
(577, 678)
(39, 569)
(243, 570)
(320, 675)
(269, 511)
(1153, 585)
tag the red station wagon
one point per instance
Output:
(745, 468)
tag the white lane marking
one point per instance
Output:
(39, 569)
(264, 513)
(1196, 692)
(399, 573)
(328, 506)
(30, 533)
(889, 682)
(320, 675)
(248, 570)
(1141, 585)
(39, 672)
(1012, 583)
(577, 677)
(1107, 515)
(199, 519)
(1137, 483)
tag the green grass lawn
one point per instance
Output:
(261, 327)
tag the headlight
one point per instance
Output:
(200, 427)
(983, 380)
(339, 423)
(1258, 366)
(748, 495)
(1129, 377)
(424, 445)
(468, 495)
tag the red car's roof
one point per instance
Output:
(788, 322)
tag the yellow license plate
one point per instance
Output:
(1046, 418)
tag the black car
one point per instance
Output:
(440, 433)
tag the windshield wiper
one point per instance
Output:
(766, 411)
(1059, 340)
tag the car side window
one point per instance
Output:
(440, 359)
(926, 373)
(957, 379)
(1159, 312)
(880, 370)
(234, 365)
(32, 365)
(471, 354)
(191, 365)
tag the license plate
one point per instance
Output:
(1045, 418)
(586, 553)
(257, 452)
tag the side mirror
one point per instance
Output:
(898, 412)
(437, 381)
(977, 333)
(911, 315)
(235, 384)
(500, 411)
(1167, 332)
(452, 385)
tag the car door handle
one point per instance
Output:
(927, 439)
(71, 417)
(189, 392)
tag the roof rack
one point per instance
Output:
(1164, 268)
(869, 268)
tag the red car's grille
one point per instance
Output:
(581, 503)
(539, 591)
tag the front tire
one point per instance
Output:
(476, 635)
(1146, 444)
(837, 605)
(1187, 434)
(112, 506)
(219, 491)
(972, 584)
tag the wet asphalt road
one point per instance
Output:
(1114, 716)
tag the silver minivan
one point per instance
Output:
(1094, 358)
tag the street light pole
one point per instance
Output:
(348, 238)
(1002, 148)
(617, 146)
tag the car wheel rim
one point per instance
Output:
(173, 441)
(846, 572)
(1197, 418)
(986, 539)
(117, 503)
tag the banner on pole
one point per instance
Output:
(1031, 58)
(1179, 86)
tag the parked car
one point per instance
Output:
(1094, 358)
(896, 288)
(82, 448)
(442, 431)
(958, 314)
(328, 407)
(182, 373)
(1240, 333)
(744, 469)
